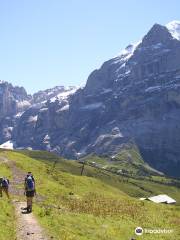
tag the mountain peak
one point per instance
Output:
(157, 34)
(174, 29)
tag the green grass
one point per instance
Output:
(7, 218)
(128, 162)
(97, 206)
(135, 187)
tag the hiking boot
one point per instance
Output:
(29, 209)
(24, 208)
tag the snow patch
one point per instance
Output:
(106, 90)
(2, 81)
(81, 153)
(7, 145)
(33, 119)
(127, 53)
(174, 29)
(152, 89)
(64, 95)
(65, 108)
(43, 109)
(23, 104)
(9, 128)
(19, 114)
(46, 139)
(158, 88)
(92, 106)
(156, 46)
(175, 86)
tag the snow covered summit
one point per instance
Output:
(174, 29)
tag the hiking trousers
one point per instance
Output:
(29, 203)
(4, 189)
(29, 196)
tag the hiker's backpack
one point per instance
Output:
(30, 186)
(5, 182)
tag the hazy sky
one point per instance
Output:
(44, 43)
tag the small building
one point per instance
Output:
(162, 198)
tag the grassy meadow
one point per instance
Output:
(98, 205)
(7, 218)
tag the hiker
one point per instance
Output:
(4, 186)
(30, 191)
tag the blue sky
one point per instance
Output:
(44, 43)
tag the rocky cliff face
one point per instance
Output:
(12, 101)
(132, 97)
(19, 112)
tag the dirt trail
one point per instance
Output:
(3, 159)
(28, 227)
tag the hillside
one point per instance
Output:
(128, 162)
(98, 205)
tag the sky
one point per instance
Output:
(47, 43)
